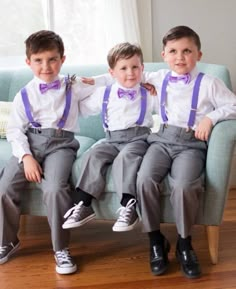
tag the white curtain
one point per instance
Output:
(145, 28)
(89, 28)
(122, 22)
(129, 21)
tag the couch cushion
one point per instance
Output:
(5, 110)
(5, 152)
(91, 127)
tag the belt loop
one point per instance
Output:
(163, 126)
(108, 134)
(59, 132)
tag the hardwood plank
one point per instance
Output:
(117, 260)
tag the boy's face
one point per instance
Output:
(46, 65)
(181, 55)
(128, 72)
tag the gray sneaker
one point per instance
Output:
(78, 216)
(7, 251)
(64, 262)
(128, 217)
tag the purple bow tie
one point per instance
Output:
(44, 87)
(185, 78)
(129, 93)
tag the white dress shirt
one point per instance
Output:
(215, 100)
(46, 109)
(122, 113)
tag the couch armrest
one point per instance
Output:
(218, 165)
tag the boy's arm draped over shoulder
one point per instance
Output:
(103, 79)
(155, 78)
(85, 86)
(92, 105)
(98, 80)
(90, 93)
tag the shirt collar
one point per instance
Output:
(193, 73)
(136, 87)
(38, 80)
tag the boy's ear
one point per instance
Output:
(163, 55)
(27, 61)
(199, 55)
(111, 71)
(63, 58)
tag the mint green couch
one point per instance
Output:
(219, 157)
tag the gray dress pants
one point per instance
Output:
(56, 155)
(124, 149)
(176, 153)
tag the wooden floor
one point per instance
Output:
(109, 260)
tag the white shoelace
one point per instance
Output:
(3, 249)
(63, 256)
(74, 210)
(126, 211)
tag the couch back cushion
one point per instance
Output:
(12, 80)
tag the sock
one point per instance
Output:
(85, 197)
(184, 243)
(125, 199)
(156, 238)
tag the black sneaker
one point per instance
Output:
(7, 251)
(64, 262)
(78, 216)
(128, 217)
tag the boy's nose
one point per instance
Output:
(180, 55)
(45, 64)
(130, 71)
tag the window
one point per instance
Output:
(18, 19)
(89, 28)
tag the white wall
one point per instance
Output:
(213, 20)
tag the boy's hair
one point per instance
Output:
(123, 51)
(43, 40)
(181, 32)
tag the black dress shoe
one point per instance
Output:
(189, 263)
(159, 258)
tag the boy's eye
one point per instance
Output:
(172, 51)
(53, 59)
(37, 60)
(187, 51)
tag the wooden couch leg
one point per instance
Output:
(213, 242)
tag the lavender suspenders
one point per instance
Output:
(63, 119)
(142, 111)
(193, 109)
(25, 99)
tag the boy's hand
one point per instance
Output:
(151, 88)
(88, 80)
(203, 129)
(33, 171)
